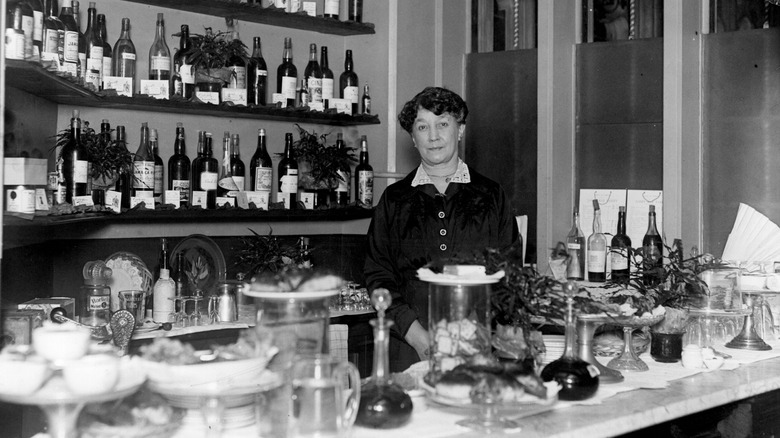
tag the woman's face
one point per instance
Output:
(436, 137)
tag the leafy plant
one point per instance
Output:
(214, 50)
(108, 158)
(323, 161)
(265, 254)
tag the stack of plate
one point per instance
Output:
(232, 418)
(554, 344)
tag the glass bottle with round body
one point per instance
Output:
(348, 83)
(123, 57)
(261, 167)
(597, 249)
(257, 76)
(575, 246)
(653, 249)
(621, 250)
(179, 167)
(288, 174)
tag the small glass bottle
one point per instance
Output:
(383, 404)
(579, 379)
(597, 249)
(575, 245)
(653, 251)
(95, 306)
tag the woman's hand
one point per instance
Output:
(417, 337)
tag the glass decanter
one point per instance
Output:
(579, 379)
(383, 404)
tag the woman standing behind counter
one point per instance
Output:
(441, 210)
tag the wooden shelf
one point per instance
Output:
(38, 81)
(257, 14)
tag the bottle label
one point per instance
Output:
(82, 64)
(240, 181)
(351, 94)
(289, 183)
(93, 77)
(28, 27)
(95, 61)
(597, 261)
(162, 63)
(288, 87)
(228, 184)
(186, 73)
(183, 187)
(14, 44)
(158, 178)
(315, 89)
(619, 259)
(365, 193)
(238, 77)
(208, 180)
(51, 42)
(331, 7)
(107, 66)
(38, 25)
(128, 56)
(259, 72)
(343, 182)
(71, 46)
(263, 179)
(99, 302)
(327, 88)
(573, 245)
(143, 175)
(80, 170)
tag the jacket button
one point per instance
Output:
(443, 247)
(441, 215)
(443, 232)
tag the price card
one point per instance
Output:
(172, 197)
(85, 200)
(147, 200)
(637, 206)
(279, 98)
(235, 95)
(211, 97)
(342, 106)
(224, 200)
(199, 198)
(114, 201)
(610, 200)
(260, 199)
(156, 89)
(308, 200)
(123, 86)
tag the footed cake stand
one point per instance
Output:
(586, 328)
(748, 338)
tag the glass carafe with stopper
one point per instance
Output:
(579, 379)
(383, 404)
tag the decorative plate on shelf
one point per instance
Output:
(204, 262)
(129, 272)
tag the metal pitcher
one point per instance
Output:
(223, 307)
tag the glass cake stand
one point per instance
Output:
(748, 338)
(586, 329)
(628, 360)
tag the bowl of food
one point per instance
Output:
(91, 374)
(22, 375)
(60, 342)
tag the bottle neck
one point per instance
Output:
(313, 56)
(381, 367)
(178, 147)
(597, 222)
(324, 58)
(51, 11)
(261, 144)
(570, 331)
(103, 31)
(144, 146)
(75, 129)
(160, 32)
(257, 50)
(125, 34)
(621, 225)
(651, 228)
(363, 156)
(184, 41)
(91, 20)
(348, 65)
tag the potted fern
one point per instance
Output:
(210, 54)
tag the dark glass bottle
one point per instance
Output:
(180, 276)
(261, 168)
(123, 58)
(82, 42)
(312, 76)
(356, 10)
(257, 76)
(183, 76)
(107, 53)
(53, 48)
(143, 166)
(287, 74)
(37, 34)
(124, 184)
(27, 25)
(345, 176)
(327, 77)
(237, 65)
(383, 404)
(364, 178)
(579, 379)
(70, 43)
(94, 49)
(227, 185)
(366, 99)
(653, 251)
(621, 250)
(348, 83)
(160, 54)
(288, 174)
(159, 167)
(195, 167)
(209, 173)
(597, 249)
(237, 167)
(179, 167)
(75, 161)
(575, 246)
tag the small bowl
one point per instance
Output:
(22, 376)
(92, 374)
(61, 342)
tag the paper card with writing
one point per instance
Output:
(114, 201)
(260, 199)
(609, 202)
(211, 97)
(283, 197)
(41, 200)
(242, 201)
(279, 98)
(123, 86)
(316, 106)
(147, 200)
(83, 200)
(224, 200)
(156, 89)
(172, 197)
(637, 207)
(235, 95)
(308, 200)
(310, 8)
(198, 198)
(343, 106)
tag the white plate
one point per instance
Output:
(129, 272)
(426, 274)
(290, 295)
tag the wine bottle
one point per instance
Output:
(366, 99)
(621, 250)
(75, 161)
(261, 168)
(179, 167)
(302, 95)
(143, 166)
(124, 184)
(164, 291)
(159, 54)
(287, 74)
(195, 167)
(159, 167)
(348, 83)
(579, 379)
(162, 267)
(327, 77)
(345, 176)
(14, 38)
(209, 173)
(123, 58)
(180, 276)
(53, 37)
(575, 245)
(356, 10)
(28, 25)
(288, 175)
(162, 258)
(183, 75)
(312, 76)
(237, 167)
(71, 43)
(332, 9)
(653, 251)
(82, 42)
(227, 185)
(37, 34)
(94, 49)
(107, 54)
(597, 249)
(257, 76)
(364, 178)
(237, 65)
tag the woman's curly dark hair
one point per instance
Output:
(436, 100)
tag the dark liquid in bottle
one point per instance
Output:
(574, 375)
(383, 406)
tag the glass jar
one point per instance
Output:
(723, 293)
